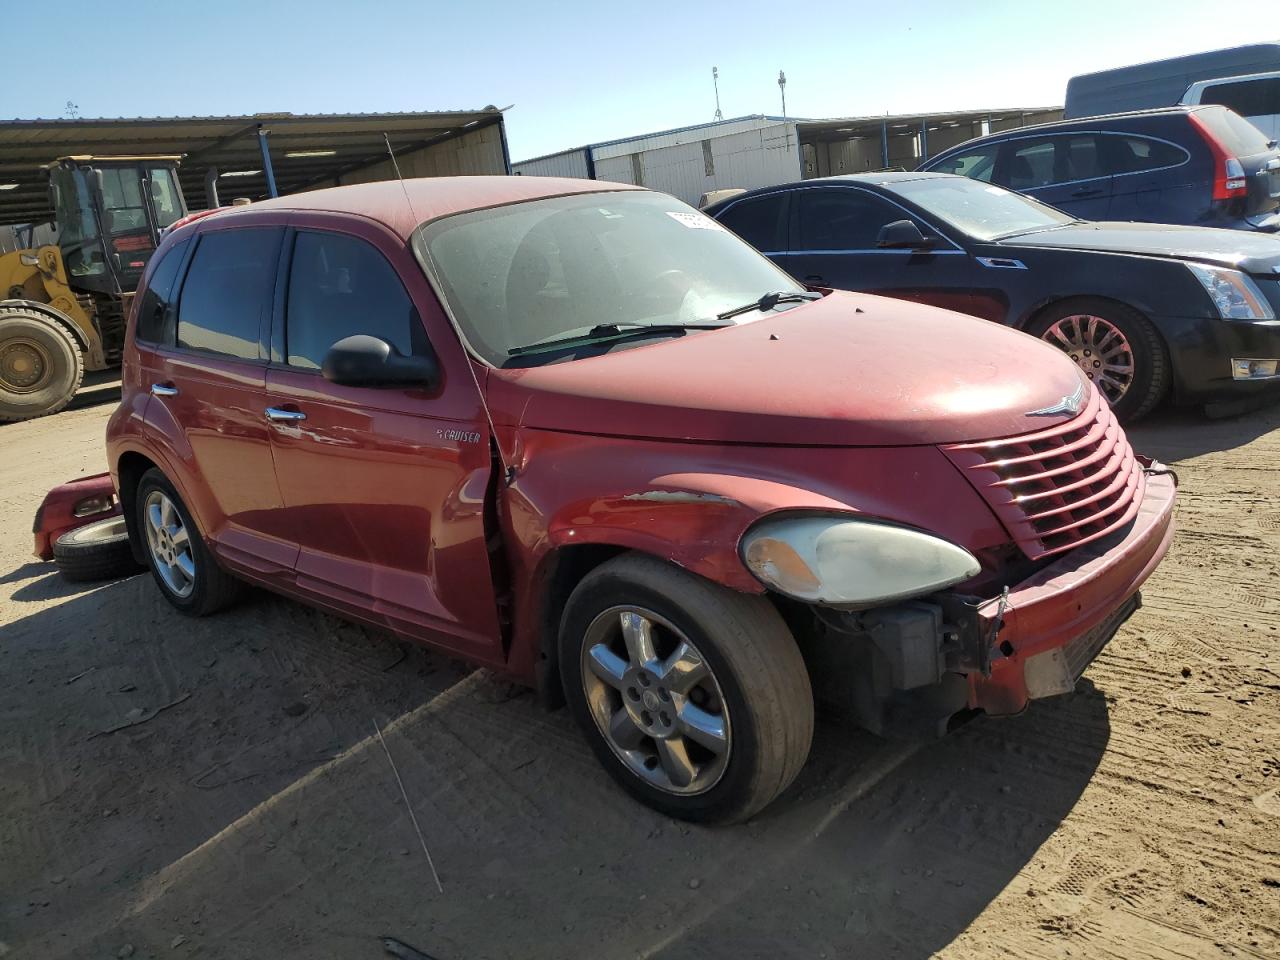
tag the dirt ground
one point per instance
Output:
(259, 817)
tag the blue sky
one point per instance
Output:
(585, 72)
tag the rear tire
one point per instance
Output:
(181, 563)
(40, 365)
(1121, 332)
(96, 551)
(711, 736)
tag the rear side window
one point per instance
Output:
(1249, 98)
(340, 286)
(227, 295)
(1236, 134)
(977, 164)
(1135, 154)
(155, 309)
(843, 219)
(1045, 161)
(761, 221)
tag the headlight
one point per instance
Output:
(1235, 295)
(852, 562)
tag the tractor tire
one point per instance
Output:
(40, 365)
(96, 551)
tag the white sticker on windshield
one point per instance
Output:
(694, 221)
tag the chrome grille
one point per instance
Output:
(1060, 487)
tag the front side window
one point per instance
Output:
(981, 211)
(340, 286)
(541, 270)
(155, 307)
(977, 164)
(842, 219)
(1030, 164)
(761, 221)
(227, 295)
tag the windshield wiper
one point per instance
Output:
(607, 332)
(769, 301)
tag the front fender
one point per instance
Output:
(690, 504)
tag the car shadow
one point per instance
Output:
(28, 571)
(243, 794)
(1173, 434)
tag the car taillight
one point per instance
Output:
(1228, 175)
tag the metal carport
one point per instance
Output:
(307, 151)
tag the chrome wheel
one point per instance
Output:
(1098, 348)
(170, 544)
(655, 700)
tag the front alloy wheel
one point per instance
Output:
(1099, 349)
(694, 697)
(655, 700)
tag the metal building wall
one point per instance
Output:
(758, 157)
(568, 163)
(476, 153)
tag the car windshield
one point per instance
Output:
(583, 267)
(982, 211)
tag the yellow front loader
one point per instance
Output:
(63, 305)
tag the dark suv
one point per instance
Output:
(1206, 166)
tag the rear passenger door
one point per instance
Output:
(206, 371)
(1152, 180)
(1064, 170)
(384, 488)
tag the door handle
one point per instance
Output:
(163, 390)
(276, 415)
(1087, 192)
(814, 278)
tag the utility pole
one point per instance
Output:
(715, 82)
(782, 86)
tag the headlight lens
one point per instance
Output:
(1235, 295)
(852, 562)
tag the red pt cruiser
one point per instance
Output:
(579, 433)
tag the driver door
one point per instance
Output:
(384, 488)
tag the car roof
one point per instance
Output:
(882, 178)
(404, 205)
(1014, 132)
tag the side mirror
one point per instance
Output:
(902, 234)
(365, 361)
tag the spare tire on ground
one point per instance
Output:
(96, 551)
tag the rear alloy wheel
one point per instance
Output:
(182, 565)
(694, 697)
(40, 365)
(1114, 346)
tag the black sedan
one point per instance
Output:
(1145, 310)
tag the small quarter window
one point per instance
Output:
(227, 295)
(155, 308)
(340, 286)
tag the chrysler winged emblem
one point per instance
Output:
(1068, 404)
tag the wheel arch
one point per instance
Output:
(129, 470)
(55, 316)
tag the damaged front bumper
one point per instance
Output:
(1055, 623)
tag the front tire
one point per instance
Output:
(181, 563)
(40, 365)
(1116, 347)
(96, 551)
(694, 697)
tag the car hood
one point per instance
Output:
(1241, 249)
(848, 370)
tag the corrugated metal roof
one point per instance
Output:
(226, 142)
